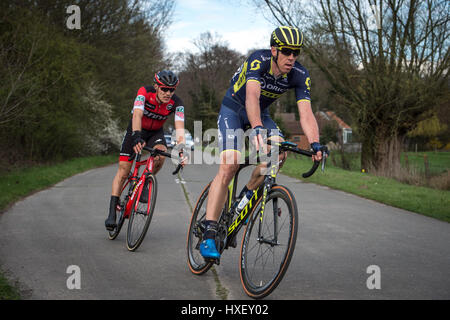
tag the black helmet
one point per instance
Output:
(166, 78)
(286, 37)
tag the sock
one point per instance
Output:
(211, 229)
(112, 204)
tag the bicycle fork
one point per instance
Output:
(269, 181)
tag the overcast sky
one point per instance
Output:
(237, 22)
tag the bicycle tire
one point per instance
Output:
(135, 238)
(120, 208)
(253, 278)
(196, 262)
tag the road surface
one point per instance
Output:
(343, 243)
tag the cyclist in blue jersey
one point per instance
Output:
(263, 78)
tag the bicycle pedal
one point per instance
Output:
(216, 261)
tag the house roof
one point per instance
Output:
(330, 116)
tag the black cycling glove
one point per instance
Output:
(257, 130)
(137, 137)
(316, 147)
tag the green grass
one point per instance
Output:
(427, 201)
(22, 182)
(438, 162)
(7, 292)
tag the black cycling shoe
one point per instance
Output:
(110, 223)
(144, 194)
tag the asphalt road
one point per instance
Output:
(341, 237)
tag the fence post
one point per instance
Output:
(406, 162)
(427, 167)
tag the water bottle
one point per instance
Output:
(245, 199)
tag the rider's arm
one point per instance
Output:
(137, 119)
(179, 124)
(179, 130)
(309, 123)
(253, 92)
(138, 109)
(136, 123)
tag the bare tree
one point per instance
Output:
(387, 61)
(18, 58)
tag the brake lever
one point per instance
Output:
(325, 155)
(323, 163)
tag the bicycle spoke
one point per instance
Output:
(141, 217)
(196, 262)
(268, 245)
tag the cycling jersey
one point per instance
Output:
(155, 114)
(258, 67)
(233, 115)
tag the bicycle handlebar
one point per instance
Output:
(160, 152)
(289, 146)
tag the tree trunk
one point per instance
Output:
(381, 154)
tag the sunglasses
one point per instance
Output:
(287, 51)
(165, 89)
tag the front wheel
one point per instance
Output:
(141, 213)
(268, 243)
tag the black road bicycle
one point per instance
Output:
(271, 220)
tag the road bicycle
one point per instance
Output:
(137, 199)
(271, 220)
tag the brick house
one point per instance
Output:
(345, 134)
(294, 129)
(323, 117)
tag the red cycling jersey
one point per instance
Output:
(155, 114)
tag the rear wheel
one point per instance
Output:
(120, 209)
(196, 262)
(141, 214)
(268, 243)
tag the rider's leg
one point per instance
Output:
(159, 160)
(157, 165)
(259, 172)
(216, 200)
(118, 181)
(218, 189)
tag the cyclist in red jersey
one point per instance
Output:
(152, 106)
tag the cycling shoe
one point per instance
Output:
(208, 249)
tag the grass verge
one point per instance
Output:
(22, 182)
(427, 201)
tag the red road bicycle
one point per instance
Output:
(137, 199)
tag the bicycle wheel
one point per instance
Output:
(141, 215)
(120, 209)
(196, 262)
(268, 243)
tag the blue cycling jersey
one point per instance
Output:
(258, 67)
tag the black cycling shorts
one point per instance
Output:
(152, 138)
(232, 124)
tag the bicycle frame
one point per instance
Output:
(235, 226)
(261, 191)
(136, 183)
